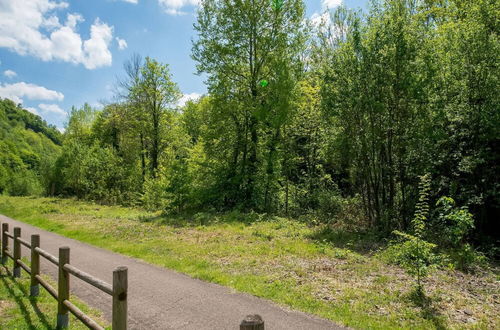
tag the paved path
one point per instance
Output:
(160, 298)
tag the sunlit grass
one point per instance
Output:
(332, 274)
(19, 311)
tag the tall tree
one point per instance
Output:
(250, 50)
(373, 95)
(154, 95)
(465, 100)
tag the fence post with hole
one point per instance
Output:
(35, 265)
(17, 252)
(63, 289)
(120, 288)
(5, 242)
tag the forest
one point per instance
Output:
(385, 121)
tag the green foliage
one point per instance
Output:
(24, 183)
(153, 197)
(453, 223)
(415, 254)
(25, 145)
(251, 54)
(467, 258)
(463, 96)
(15, 115)
(331, 126)
(157, 93)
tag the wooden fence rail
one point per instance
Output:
(118, 290)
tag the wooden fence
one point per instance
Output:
(118, 290)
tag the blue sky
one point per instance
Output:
(55, 54)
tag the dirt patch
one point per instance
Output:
(5, 305)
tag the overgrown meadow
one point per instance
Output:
(348, 277)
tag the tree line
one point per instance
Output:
(337, 118)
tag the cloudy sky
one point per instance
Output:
(55, 54)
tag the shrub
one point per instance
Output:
(466, 258)
(24, 183)
(3, 178)
(453, 223)
(153, 198)
(415, 254)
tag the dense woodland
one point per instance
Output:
(333, 120)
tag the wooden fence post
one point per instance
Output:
(5, 242)
(63, 289)
(252, 322)
(120, 291)
(35, 265)
(17, 252)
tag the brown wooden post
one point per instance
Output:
(252, 322)
(120, 291)
(17, 252)
(35, 265)
(5, 242)
(63, 289)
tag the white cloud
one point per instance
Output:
(52, 108)
(73, 19)
(96, 48)
(323, 22)
(330, 4)
(32, 28)
(173, 7)
(318, 20)
(32, 110)
(51, 23)
(131, 1)
(16, 92)
(9, 73)
(187, 97)
(122, 44)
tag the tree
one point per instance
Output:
(250, 50)
(373, 94)
(415, 254)
(154, 95)
(304, 148)
(464, 98)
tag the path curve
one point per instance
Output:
(160, 298)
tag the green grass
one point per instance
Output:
(319, 270)
(19, 311)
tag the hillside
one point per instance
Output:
(28, 147)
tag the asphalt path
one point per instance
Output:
(160, 298)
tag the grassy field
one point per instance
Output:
(331, 273)
(19, 311)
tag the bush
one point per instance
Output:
(466, 258)
(453, 223)
(24, 183)
(329, 204)
(333, 208)
(3, 178)
(153, 198)
(415, 254)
